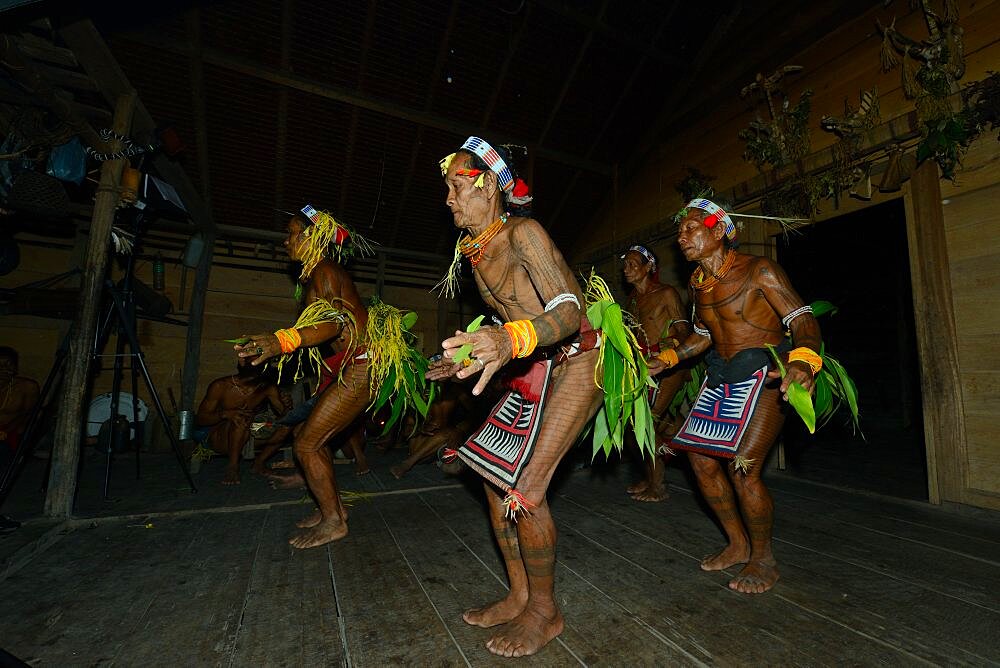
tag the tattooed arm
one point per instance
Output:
(779, 293)
(532, 249)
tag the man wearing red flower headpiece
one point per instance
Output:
(743, 303)
(523, 276)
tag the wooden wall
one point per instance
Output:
(239, 301)
(838, 68)
(972, 230)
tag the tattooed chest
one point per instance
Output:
(507, 289)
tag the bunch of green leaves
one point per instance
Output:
(688, 392)
(621, 372)
(945, 141)
(406, 386)
(833, 386)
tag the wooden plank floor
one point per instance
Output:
(865, 580)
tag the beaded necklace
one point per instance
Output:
(698, 281)
(473, 248)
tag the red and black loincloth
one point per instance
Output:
(725, 404)
(501, 448)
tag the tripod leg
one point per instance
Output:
(116, 389)
(137, 357)
(139, 425)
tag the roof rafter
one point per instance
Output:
(284, 77)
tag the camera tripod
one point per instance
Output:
(121, 315)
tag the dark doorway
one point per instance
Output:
(860, 262)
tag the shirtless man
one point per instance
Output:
(18, 396)
(658, 308)
(339, 406)
(523, 276)
(227, 410)
(446, 426)
(743, 302)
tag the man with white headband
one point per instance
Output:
(660, 313)
(743, 303)
(546, 349)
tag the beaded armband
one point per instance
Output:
(290, 339)
(808, 356)
(522, 337)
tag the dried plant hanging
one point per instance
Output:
(931, 69)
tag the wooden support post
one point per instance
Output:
(196, 318)
(944, 423)
(66, 450)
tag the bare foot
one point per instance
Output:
(499, 612)
(756, 577)
(324, 532)
(728, 556)
(232, 476)
(637, 488)
(397, 471)
(292, 481)
(526, 634)
(310, 521)
(652, 494)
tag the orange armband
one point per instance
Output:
(290, 339)
(669, 357)
(808, 356)
(522, 337)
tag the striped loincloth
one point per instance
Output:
(720, 416)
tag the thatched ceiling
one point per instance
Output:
(349, 105)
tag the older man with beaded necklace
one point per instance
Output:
(523, 276)
(743, 303)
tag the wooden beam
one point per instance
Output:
(26, 74)
(571, 77)
(625, 40)
(502, 73)
(664, 21)
(352, 133)
(75, 382)
(292, 80)
(937, 336)
(98, 62)
(281, 138)
(432, 86)
(199, 291)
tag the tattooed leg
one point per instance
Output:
(336, 410)
(573, 401)
(756, 506)
(505, 531)
(718, 494)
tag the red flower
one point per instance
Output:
(520, 188)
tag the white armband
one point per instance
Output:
(702, 332)
(562, 299)
(787, 320)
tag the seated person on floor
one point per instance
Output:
(226, 412)
(18, 396)
(448, 424)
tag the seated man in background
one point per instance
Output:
(227, 410)
(448, 424)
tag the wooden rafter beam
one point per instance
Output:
(432, 86)
(283, 77)
(512, 45)
(281, 137)
(625, 40)
(98, 62)
(664, 22)
(352, 134)
(571, 77)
